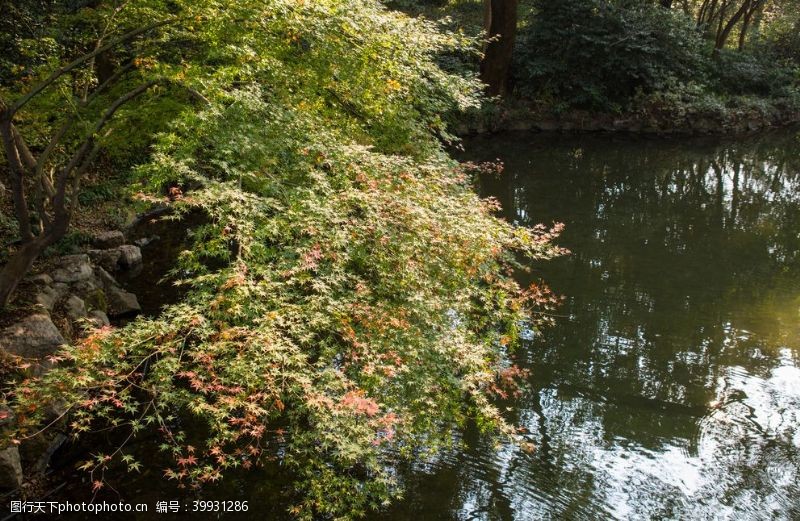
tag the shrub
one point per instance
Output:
(598, 54)
(758, 72)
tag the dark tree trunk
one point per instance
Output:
(104, 67)
(502, 27)
(746, 10)
(748, 18)
(16, 178)
(21, 262)
(743, 32)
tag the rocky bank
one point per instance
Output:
(653, 119)
(78, 294)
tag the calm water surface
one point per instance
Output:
(669, 387)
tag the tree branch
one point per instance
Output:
(45, 155)
(725, 31)
(81, 153)
(25, 154)
(111, 79)
(76, 181)
(196, 95)
(80, 60)
(16, 174)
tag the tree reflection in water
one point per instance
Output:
(670, 387)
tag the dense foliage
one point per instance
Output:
(643, 55)
(604, 54)
(351, 298)
(595, 53)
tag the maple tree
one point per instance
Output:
(351, 300)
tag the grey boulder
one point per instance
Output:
(107, 240)
(35, 453)
(10, 469)
(130, 256)
(47, 298)
(108, 259)
(75, 308)
(98, 318)
(42, 279)
(105, 277)
(73, 268)
(121, 302)
(34, 337)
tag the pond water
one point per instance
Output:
(669, 385)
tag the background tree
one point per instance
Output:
(500, 22)
(44, 185)
(719, 18)
(599, 54)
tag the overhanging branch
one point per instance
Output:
(80, 60)
(59, 134)
(89, 142)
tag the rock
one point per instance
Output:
(65, 326)
(61, 289)
(130, 256)
(73, 268)
(34, 337)
(108, 259)
(120, 302)
(96, 300)
(98, 318)
(87, 286)
(47, 298)
(134, 271)
(42, 279)
(105, 277)
(126, 256)
(107, 240)
(36, 452)
(75, 308)
(141, 243)
(10, 469)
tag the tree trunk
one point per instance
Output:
(487, 20)
(25, 171)
(720, 28)
(20, 263)
(104, 67)
(496, 64)
(755, 9)
(743, 32)
(748, 6)
(15, 174)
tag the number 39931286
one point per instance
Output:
(219, 506)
